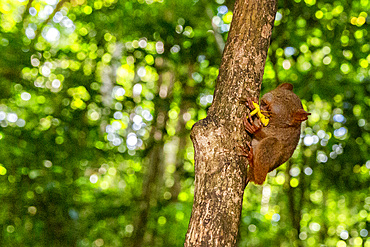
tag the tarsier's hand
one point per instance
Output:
(252, 104)
(252, 126)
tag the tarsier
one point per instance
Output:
(276, 126)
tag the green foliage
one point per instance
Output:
(97, 99)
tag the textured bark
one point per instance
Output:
(220, 173)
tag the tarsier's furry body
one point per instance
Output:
(274, 144)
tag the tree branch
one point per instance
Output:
(218, 37)
(43, 24)
(220, 173)
(27, 9)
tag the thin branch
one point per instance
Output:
(274, 66)
(219, 39)
(291, 198)
(26, 11)
(43, 24)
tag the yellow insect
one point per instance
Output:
(264, 119)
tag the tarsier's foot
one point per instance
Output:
(247, 153)
(250, 125)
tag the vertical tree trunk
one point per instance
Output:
(294, 208)
(152, 176)
(220, 173)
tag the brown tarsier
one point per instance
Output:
(276, 126)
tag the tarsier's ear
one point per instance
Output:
(300, 115)
(286, 86)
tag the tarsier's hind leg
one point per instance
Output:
(266, 155)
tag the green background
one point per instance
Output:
(97, 99)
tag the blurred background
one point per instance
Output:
(97, 99)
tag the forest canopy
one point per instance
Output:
(97, 100)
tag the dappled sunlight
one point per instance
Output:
(98, 98)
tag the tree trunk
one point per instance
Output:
(220, 173)
(152, 177)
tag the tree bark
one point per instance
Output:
(220, 172)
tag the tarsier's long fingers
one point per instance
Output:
(249, 146)
(250, 104)
(247, 124)
(252, 126)
(244, 152)
(248, 153)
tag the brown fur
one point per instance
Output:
(274, 144)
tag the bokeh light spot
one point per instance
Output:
(52, 34)
(93, 178)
